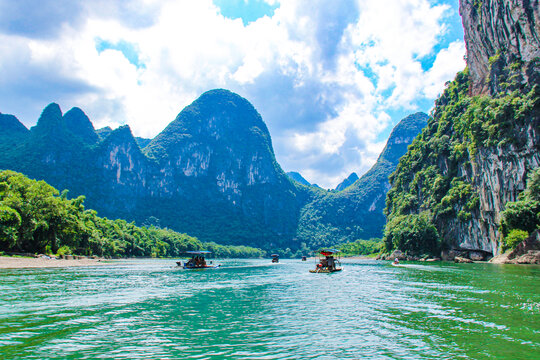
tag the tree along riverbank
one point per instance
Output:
(37, 218)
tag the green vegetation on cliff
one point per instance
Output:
(433, 189)
(35, 217)
(522, 217)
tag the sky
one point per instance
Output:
(329, 78)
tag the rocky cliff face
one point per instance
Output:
(498, 175)
(507, 29)
(483, 139)
(222, 137)
(503, 41)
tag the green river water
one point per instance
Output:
(251, 309)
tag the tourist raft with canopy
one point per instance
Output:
(197, 261)
(275, 258)
(328, 262)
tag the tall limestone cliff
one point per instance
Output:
(483, 140)
(505, 31)
(220, 150)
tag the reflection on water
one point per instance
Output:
(253, 309)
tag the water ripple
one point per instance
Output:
(250, 309)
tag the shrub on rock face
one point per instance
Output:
(524, 214)
(533, 186)
(414, 234)
(514, 238)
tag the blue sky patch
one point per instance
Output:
(386, 93)
(247, 10)
(369, 73)
(126, 48)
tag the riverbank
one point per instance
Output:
(12, 262)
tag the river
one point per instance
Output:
(252, 309)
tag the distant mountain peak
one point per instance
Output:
(347, 182)
(53, 109)
(80, 125)
(122, 133)
(10, 124)
(402, 135)
(104, 132)
(50, 119)
(224, 110)
(218, 116)
(296, 176)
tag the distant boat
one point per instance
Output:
(328, 262)
(304, 258)
(197, 261)
(275, 258)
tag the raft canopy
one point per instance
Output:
(274, 255)
(329, 252)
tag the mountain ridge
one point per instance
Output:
(211, 172)
(296, 176)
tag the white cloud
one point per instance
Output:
(324, 75)
(444, 68)
(380, 54)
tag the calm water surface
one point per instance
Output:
(251, 309)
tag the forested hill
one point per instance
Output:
(450, 190)
(211, 173)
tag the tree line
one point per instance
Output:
(36, 218)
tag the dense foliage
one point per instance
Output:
(432, 180)
(414, 234)
(522, 217)
(361, 247)
(36, 218)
